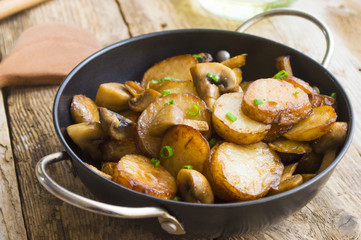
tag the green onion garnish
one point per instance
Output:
(177, 198)
(295, 93)
(187, 167)
(155, 162)
(170, 102)
(198, 57)
(193, 110)
(281, 74)
(212, 142)
(334, 95)
(214, 77)
(166, 152)
(231, 117)
(165, 79)
(258, 101)
(166, 92)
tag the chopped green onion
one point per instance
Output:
(198, 57)
(334, 95)
(214, 77)
(166, 92)
(155, 162)
(193, 110)
(281, 74)
(165, 79)
(170, 102)
(166, 152)
(258, 101)
(177, 198)
(212, 142)
(187, 167)
(231, 117)
(295, 93)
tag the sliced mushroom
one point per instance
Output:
(194, 187)
(134, 88)
(333, 139)
(208, 90)
(168, 116)
(171, 115)
(142, 102)
(115, 125)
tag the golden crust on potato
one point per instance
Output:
(314, 126)
(243, 130)
(244, 172)
(275, 101)
(150, 145)
(138, 173)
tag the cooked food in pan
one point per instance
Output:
(193, 130)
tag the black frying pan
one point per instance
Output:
(128, 60)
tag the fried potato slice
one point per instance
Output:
(244, 172)
(113, 96)
(174, 67)
(288, 171)
(243, 130)
(150, 145)
(276, 132)
(318, 100)
(290, 146)
(287, 184)
(108, 167)
(138, 173)
(236, 61)
(275, 101)
(175, 87)
(333, 139)
(314, 126)
(189, 148)
(101, 173)
(113, 150)
(83, 109)
(299, 83)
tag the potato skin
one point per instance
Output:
(189, 146)
(242, 131)
(150, 145)
(137, 172)
(314, 126)
(283, 103)
(244, 172)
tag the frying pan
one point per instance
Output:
(129, 59)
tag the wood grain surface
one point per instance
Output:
(28, 211)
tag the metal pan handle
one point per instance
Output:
(291, 12)
(169, 223)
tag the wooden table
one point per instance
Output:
(27, 210)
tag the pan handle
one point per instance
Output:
(169, 223)
(291, 12)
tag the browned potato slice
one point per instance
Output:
(309, 163)
(235, 62)
(314, 126)
(238, 73)
(333, 139)
(299, 83)
(207, 164)
(173, 67)
(194, 187)
(113, 150)
(318, 100)
(150, 145)
(283, 63)
(189, 148)
(113, 96)
(307, 176)
(244, 172)
(276, 132)
(139, 174)
(101, 173)
(275, 101)
(83, 109)
(175, 87)
(290, 146)
(87, 136)
(109, 167)
(288, 171)
(243, 130)
(288, 184)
